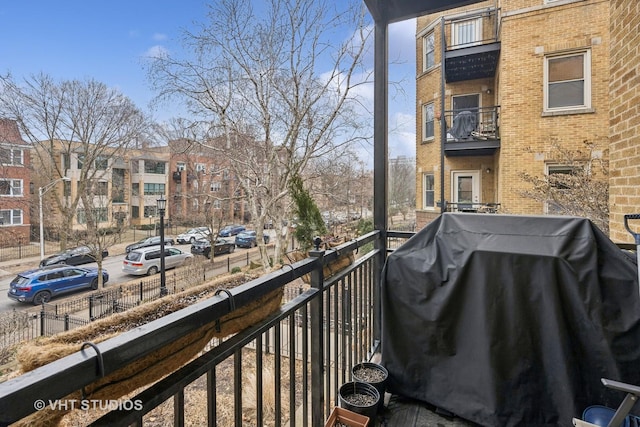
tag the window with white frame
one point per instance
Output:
(466, 32)
(428, 185)
(216, 186)
(428, 121)
(217, 204)
(10, 217)
(200, 167)
(11, 156)
(429, 49)
(11, 187)
(180, 166)
(567, 81)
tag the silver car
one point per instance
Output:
(146, 261)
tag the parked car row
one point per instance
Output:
(59, 273)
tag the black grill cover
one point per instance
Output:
(510, 320)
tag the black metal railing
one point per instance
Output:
(473, 29)
(298, 356)
(473, 124)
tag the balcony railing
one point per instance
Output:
(472, 46)
(472, 131)
(305, 349)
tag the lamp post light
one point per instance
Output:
(162, 206)
(41, 192)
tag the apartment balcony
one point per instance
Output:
(472, 47)
(472, 132)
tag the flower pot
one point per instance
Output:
(346, 418)
(361, 398)
(374, 374)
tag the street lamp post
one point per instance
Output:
(162, 206)
(41, 192)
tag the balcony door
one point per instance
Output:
(466, 32)
(466, 190)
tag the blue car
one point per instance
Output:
(248, 239)
(40, 285)
(231, 230)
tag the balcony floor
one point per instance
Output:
(404, 412)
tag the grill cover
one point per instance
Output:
(509, 320)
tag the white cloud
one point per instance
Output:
(157, 51)
(159, 37)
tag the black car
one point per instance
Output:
(73, 256)
(203, 247)
(149, 241)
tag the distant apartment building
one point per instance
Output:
(510, 81)
(202, 186)
(15, 183)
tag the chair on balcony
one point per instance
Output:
(464, 123)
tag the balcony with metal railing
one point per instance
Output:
(284, 369)
(472, 131)
(472, 47)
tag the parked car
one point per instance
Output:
(193, 235)
(203, 247)
(248, 239)
(149, 241)
(74, 256)
(231, 230)
(143, 261)
(40, 285)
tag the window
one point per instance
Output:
(135, 211)
(10, 217)
(100, 188)
(153, 189)
(101, 163)
(10, 187)
(180, 166)
(559, 185)
(217, 204)
(80, 161)
(154, 167)
(66, 188)
(429, 49)
(99, 215)
(466, 32)
(150, 211)
(135, 189)
(201, 167)
(428, 121)
(135, 166)
(66, 161)
(216, 186)
(429, 190)
(11, 156)
(567, 81)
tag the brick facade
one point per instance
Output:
(624, 113)
(530, 31)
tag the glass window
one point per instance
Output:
(10, 217)
(66, 188)
(428, 121)
(80, 161)
(216, 186)
(135, 211)
(11, 156)
(428, 46)
(180, 166)
(150, 211)
(154, 167)
(429, 190)
(568, 83)
(153, 189)
(102, 163)
(10, 187)
(555, 175)
(135, 189)
(466, 32)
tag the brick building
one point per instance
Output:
(15, 183)
(624, 113)
(520, 77)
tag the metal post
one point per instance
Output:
(40, 193)
(317, 347)
(162, 203)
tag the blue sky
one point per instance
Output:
(107, 41)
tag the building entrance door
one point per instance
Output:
(466, 190)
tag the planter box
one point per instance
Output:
(346, 417)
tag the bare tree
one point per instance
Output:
(578, 187)
(280, 91)
(402, 188)
(83, 122)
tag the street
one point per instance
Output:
(113, 264)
